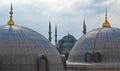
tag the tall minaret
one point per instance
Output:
(50, 38)
(56, 36)
(84, 28)
(11, 22)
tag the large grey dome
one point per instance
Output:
(21, 49)
(105, 41)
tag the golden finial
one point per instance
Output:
(106, 15)
(11, 22)
(106, 23)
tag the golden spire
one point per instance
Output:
(11, 22)
(106, 23)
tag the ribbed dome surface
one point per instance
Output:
(20, 47)
(105, 41)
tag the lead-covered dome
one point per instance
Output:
(101, 45)
(22, 49)
(66, 43)
(68, 38)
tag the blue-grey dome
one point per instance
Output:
(67, 44)
(105, 41)
(67, 41)
(68, 38)
(20, 48)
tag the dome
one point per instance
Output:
(67, 44)
(102, 41)
(68, 37)
(67, 41)
(21, 50)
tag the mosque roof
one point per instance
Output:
(21, 48)
(105, 42)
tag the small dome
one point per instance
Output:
(68, 37)
(104, 42)
(67, 41)
(21, 50)
(67, 44)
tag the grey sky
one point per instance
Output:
(67, 14)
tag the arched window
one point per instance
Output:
(42, 64)
(98, 57)
(88, 57)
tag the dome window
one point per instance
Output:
(88, 57)
(98, 57)
(42, 64)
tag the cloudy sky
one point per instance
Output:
(67, 14)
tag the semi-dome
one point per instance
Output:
(102, 41)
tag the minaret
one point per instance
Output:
(106, 23)
(50, 38)
(68, 33)
(84, 28)
(11, 22)
(56, 36)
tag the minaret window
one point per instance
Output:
(88, 57)
(98, 57)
